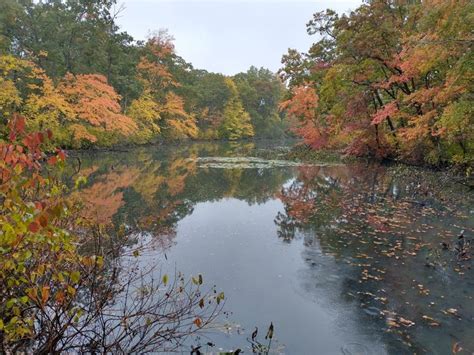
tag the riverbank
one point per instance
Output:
(461, 173)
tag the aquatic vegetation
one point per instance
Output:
(245, 163)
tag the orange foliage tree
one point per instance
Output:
(159, 108)
(80, 108)
(96, 103)
(301, 111)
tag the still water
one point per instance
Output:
(341, 258)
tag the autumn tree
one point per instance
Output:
(392, 80)
(179, 123)
(96, 105)
(301, 112)
(147, 113)
(236, 123)
(16, 76)
(159, 108)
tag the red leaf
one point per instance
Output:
(20, 124)
(43, 221)
(34, 227)
(52, 160)
(61, 155)
(384, 112)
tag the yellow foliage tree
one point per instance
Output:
(12, 68)
(179, 123)
(147, 113)
(236, 123)
(48, 109)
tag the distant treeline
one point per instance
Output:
(66, 66)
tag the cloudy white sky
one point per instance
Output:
(229, 36)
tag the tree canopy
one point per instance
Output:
(390, 80)
(67, 66)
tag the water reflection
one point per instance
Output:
(387, 224)
(343, 259)
(152, 189)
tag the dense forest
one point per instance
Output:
(66, 66)
(392, 79)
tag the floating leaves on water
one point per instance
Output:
(451, 311)
(406, 322)
(395, 321)
(431, 321)
(457, 348)
(245, 163)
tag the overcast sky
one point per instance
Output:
(229, 36)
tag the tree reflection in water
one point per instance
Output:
(387, 225)
(371, 233)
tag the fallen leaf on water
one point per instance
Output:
(431, 321)
(452, 311)
(406, 322)
(456, 348)
(391, 322)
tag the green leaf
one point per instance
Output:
(27, 255)
(75, 276)
(10, 303)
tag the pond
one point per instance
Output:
(352, 258)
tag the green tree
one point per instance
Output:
(260, 91)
